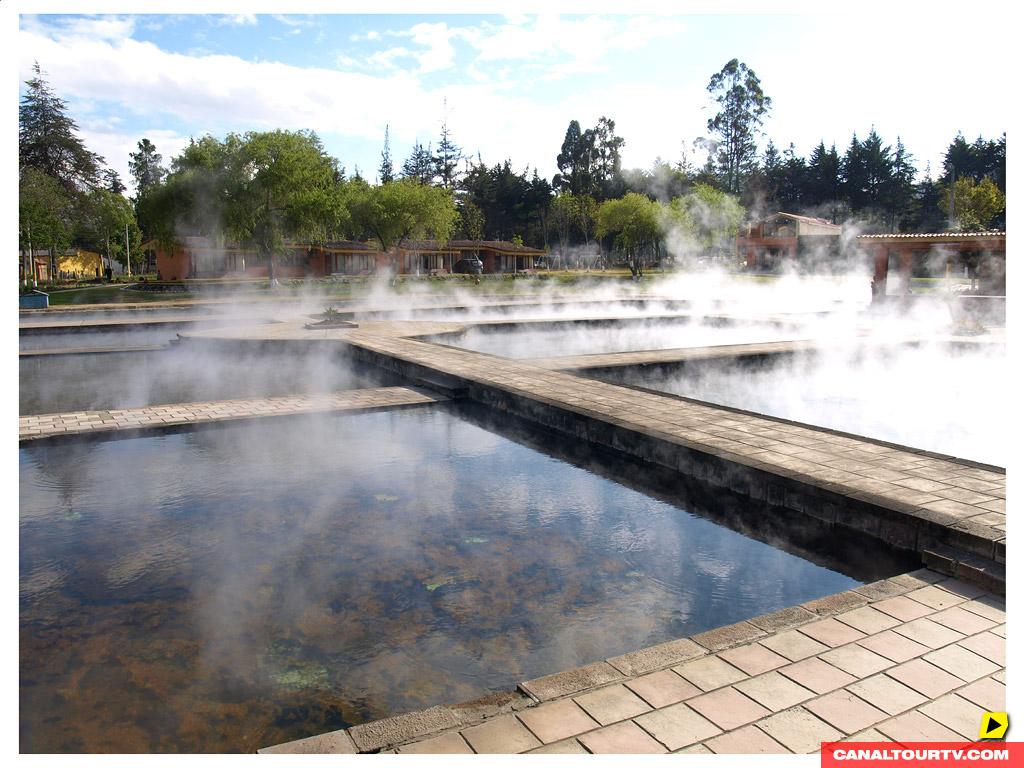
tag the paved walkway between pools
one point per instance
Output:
(918, 657)
(158, 417)
(965, 497)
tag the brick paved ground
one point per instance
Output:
(55, 425)
(916, 657)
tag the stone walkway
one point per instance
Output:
(133, 420)
(918, 657)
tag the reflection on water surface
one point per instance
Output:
(233, 588)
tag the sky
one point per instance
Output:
(508, 85)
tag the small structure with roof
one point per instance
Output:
(783, 238)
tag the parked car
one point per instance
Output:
(470, 266)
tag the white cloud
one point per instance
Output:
(238, 20)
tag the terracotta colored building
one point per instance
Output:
(786, 238)
(198, 257)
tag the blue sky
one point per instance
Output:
(509, 85)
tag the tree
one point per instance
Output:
(976, 205)
(824, 180)
(575, 161)
(634, 220)
(420, 165)
(145, 167)
(48, 141)
(259, 189)
(282, 184)
(716, 218)
(112, 182)
(44, 216)
(446, 161)
(607, 160)
(393, 213)
(743, 105)
(106, 220)
(387, 168)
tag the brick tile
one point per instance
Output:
(728, 708)
(868, 620)
(677, 726)
(696, 749)
(556, 720)
(622, 738)
(746, 741)
(832, 604)
(962, 588)
(1000, 676)
(798, 730)
(989, 607)
(445, 744)
(727, 636)
(987, 644)
(869, 735)
(962, 621)
(928, 633)
(659, 689)
(503, 735)
(965, 664)
(793, 645)
(831, 632)
(924, 678)
(888, 695)
(934, 597)
(845, 711)
(893, 646)
(913, 726)
(902, 608)
(567, 747)
(709, 673)
(1000, 631)
(816, 675)
(609, 705)
(774, 691)
(956, 713)
(858, 661)
(988, 693)
(753, 659)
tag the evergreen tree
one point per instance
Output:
(446, 161)
(145, 167)
(112, 182)
(607, 159)
(387, 168)
(419, 165)
(771, 177)
(48, 141)
(824, 180)
(575, 161)
(899, 190)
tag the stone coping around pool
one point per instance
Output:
(131, 422)
(917, 657)
(911, 500)
(65, 351)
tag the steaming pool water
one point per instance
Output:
(558, 340)
(950, 399)
(180, 374)
(236, 587)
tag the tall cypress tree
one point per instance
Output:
(387, 168)
(48, 140)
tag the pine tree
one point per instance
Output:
(387, 168)
(47, 139)
(419, 165)
(446, 161)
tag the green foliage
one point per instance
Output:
(742, 108)
(48, 140)
(105, 219)
(45, 211)
(393, 213)
(976, 205)
(634, 221)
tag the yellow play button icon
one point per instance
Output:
(994, 725)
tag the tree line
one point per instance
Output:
(263, 188)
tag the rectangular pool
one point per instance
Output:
(238, 587)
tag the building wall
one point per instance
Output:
(80, 265)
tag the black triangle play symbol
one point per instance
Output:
(993, 725)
